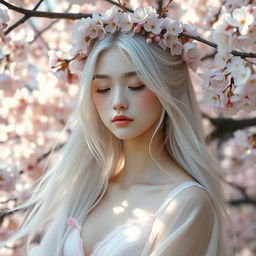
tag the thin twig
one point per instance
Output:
(119, 5)
(38, 34)
(22, 20)
(217, 15)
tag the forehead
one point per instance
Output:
(114, 61)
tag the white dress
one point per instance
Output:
(191, 212)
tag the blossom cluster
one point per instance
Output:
(4, 18)
(144, 21)
(245, 144)
(231, 86)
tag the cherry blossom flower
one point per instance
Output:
(169, 38)
(190, 29)
(192, 55)
(251, 84)
(61, 67)
(212, 98)
(153, 24)
(235, 64)
(241, 75)
(125, 22)
(112, 25)
(109, 14)
(173, 26)
(221, 59)
(4, 18)
(241, 18)
(139, 15)
(224, 41)
(176, 47)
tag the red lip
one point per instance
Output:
(121, 118)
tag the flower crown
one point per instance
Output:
(144, 21)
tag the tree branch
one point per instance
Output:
(224, 126)
(246, 198)
(22, 20)
(50, 15)
(73, 16)
(202, 40)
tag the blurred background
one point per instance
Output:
(39, 85)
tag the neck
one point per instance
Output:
(139, 167)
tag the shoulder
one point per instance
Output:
(192, 200)
(187, 219)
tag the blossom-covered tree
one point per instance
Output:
(41, 57)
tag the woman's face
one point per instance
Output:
(125, 105)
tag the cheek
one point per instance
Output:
(98, 103)
(149, 102)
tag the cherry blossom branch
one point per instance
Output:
(22, 20)
(51, 15)
(73, 16)
(39, 33)
(202, 40)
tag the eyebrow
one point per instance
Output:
(125, 75)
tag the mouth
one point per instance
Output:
(121, 120)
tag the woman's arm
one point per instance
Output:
(184, 228)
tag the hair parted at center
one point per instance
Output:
(92, 156)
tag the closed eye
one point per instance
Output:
(102, 90)
(136, 88)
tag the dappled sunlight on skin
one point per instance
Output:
(119, 209)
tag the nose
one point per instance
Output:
(119, 100)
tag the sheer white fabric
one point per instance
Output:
(182, 235)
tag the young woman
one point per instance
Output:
(135, 177)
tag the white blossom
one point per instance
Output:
(213, 99)
(125, 22)
(169, 37)
(151, 11)
(241, 75)
(172, 26)
(234, 64)
(241, 18)
(139, 15)
(176, 48)
(191, 30)
(251, 84)
(191, 55)
(109, 13)
(224, 41)
(153, 24)
(112, 25)
(221, 59)
(4, 18)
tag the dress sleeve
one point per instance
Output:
(185, 226)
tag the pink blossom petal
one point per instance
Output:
(73, 223)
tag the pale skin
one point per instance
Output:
(113, 94)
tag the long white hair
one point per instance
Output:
(75, 184)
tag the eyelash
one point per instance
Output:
(135, 88)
